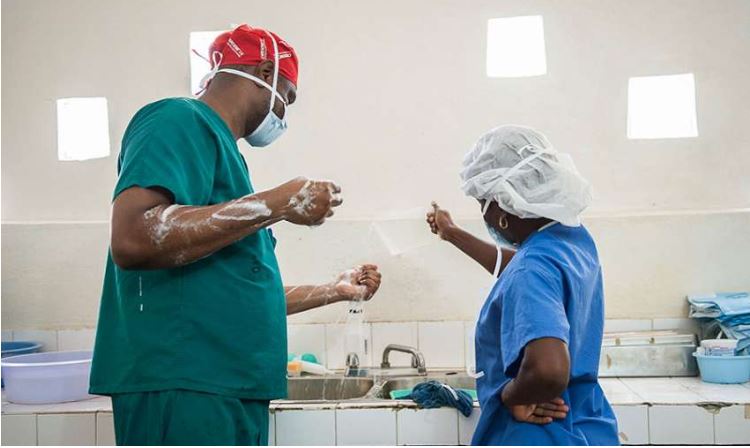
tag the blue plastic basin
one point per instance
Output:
(724, 369)
(20, 348)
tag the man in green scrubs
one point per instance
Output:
(191, 342)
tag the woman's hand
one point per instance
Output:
(540, 414)
(360, 283)
(440, 221)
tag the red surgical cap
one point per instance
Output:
(251, 46)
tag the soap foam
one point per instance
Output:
(243, 210)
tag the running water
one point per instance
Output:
(355, 343)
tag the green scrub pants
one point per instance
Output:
(184, 417)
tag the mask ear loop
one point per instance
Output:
(275, 72)
(216, 56)
(498, 262)
(255, 80)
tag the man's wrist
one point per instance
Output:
(277, 202)
(331, 295)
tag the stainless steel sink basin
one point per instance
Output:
(458, 381)
(328, 388)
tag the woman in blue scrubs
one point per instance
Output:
(539, 332)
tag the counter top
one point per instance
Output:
(619, 392)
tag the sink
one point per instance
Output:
(339, 387)
(328, 388)
(457, 381)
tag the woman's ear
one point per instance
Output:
(502, 220)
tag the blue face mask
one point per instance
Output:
(499, 239)
(272, 126)
(269, 129)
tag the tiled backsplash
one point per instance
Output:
(445, 344)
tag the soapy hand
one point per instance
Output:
(360, 283)
(541, 413)
(310, 201)
(440, 221)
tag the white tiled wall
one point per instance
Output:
(445, 344)
(307, 338)
(66, 429)
(271, 429)
(621, 325)
(632, 424)
(336, 346)
(427, 426)
(732, 425)
(306, 427)
(19, 430)
(384, 333)
(467, 425)
(76, 339)
(638, 425)
(48, 338)
(366, 427)
(105, 429)
(684, 325)
(53, 340)
(442, 343)
(469, 347)
(680, 425)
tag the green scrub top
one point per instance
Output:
(217, 325)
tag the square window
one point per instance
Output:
(199, 43)
(515, 47)
(82, 128)
(662, 107)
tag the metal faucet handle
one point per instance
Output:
(352, 360)
(417, 358)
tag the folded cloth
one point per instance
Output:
(720, 305)
(434, 394)
(724, 313)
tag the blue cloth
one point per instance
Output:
(552, 288)
(434, 394)
(721, 305)
(728, 313)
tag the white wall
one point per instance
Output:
(392, 94)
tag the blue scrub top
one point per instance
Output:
(552, 288)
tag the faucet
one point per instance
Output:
(417, 358)
(352, 361)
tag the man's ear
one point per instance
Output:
(264, 71)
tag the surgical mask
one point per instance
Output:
(499, 239)
(272, 126)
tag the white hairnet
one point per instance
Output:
(518, 168)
